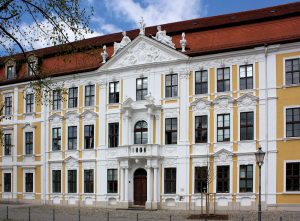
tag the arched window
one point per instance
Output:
(141, 132)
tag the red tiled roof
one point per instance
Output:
(235, 31)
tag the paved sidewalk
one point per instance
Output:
(66, 213)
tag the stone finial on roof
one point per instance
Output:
(104, 54)
(183, 42)
(162, 37)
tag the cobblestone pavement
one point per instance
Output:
(66, 213)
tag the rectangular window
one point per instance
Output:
(246, 77)
(89, 95)
(246, 126)
(246, 178)
(72, 138)
(88, 181)
(112, 181)
(28, 182)
(113, 134)
(223, 126)
(72, 181)
(28, 143)
(223, 79)
(293, 122)
(56, 181)
(10, 72)
(201, 129)
(31, 68)
(293, 176)
(141, 88)
(56, 138)
(292, 71)
(89, 137)
(29, 103)
(7, 182)
(56, 103)
(201, 82)
(7, 144)
(170, 181)
(171, 85)
(8, 106)
(201, 177)
(171, 131)
(73, 97)
(223, 179)
(114, 92)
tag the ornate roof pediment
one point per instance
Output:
(247, 100)
(127, 103)
(143, 50)
(55, 117)
(223, 154)
(88, 114)
(200, 104)
(71, 161)
(223, 100)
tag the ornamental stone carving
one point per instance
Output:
(142, 26)
(118, 46)
(200, 104)
(104, 54)
(162, 37)
(247, 100)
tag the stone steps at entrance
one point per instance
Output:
(137, 208)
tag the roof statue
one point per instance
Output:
(118, 46)
(162, 37)
(142, 26)
(104, 54)
(183, 42)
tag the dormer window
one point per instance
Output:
(31, 68)
(10, 72)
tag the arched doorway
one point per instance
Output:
(140, 187)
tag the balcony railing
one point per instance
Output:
(137, 151)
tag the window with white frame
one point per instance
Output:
(113, 134)
(201, 178)
(10, 74)
(7, 144)
(89, 94)
(201, 128)
(246, 178)
(72, 181)
(223, 179)
(114, 92)
(56, 138)
(56, 181)
(32, 68)
(246, 77)
(223, 127)
(201, 82)
(8, 105)
(72, 138)
(171, 85)
(29, 102)
(292, 178)
(7, 182)
(293, 122)
(29, 182)
(28, 143)
(56, 102)
(170, 180)
(223, 79)
(73, 97)
(112, 181)
(89, 137)
(141, 88)
(247, 125)
(89, 181)
(292, 71)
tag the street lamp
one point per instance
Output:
(259, 155)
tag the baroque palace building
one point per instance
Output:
(159, 116)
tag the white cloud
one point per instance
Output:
(156, 12)
(103, 26)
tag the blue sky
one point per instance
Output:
(116, 15)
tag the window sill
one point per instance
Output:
(291, 193)
(290, 138)
(170, 98)
(28, 114)
(291, 85)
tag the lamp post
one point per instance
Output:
(259, 155)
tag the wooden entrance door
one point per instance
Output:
(140, 187)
